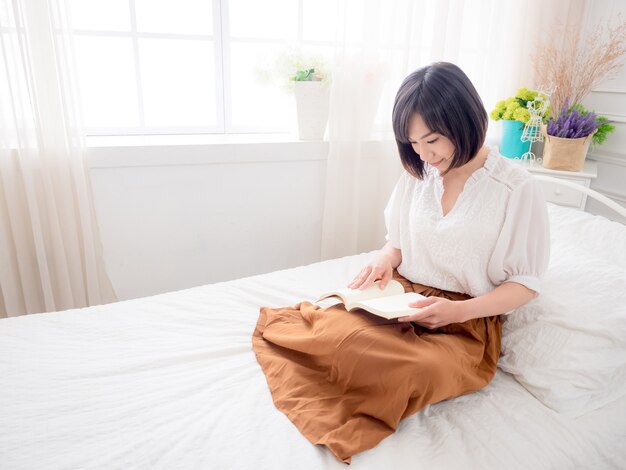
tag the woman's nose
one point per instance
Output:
(426, 155)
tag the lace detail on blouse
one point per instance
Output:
(497, 230)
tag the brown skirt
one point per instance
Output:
(346, 379)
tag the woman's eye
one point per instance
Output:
(432, 141)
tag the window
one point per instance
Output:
(191, 66)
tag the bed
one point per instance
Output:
(171, 382)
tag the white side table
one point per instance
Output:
(561, 195)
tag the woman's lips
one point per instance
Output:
(436, 163)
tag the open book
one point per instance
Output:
(390, 302)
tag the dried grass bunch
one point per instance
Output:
(581, 63)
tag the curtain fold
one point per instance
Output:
(378, 43)
(50, 249)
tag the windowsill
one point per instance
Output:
(209, 139)
(203, 149)
(191, 139)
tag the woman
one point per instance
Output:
(466, 228)
(465, 219)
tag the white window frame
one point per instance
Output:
(134, 35)
(223, 91)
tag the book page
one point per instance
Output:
(355, 295)
(390, 307)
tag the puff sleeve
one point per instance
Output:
(522, 250)
(393, 211)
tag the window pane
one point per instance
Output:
(178, 77)
(319, 20)
(425, 16)
(106, 70)
(354, 30)
(393, 25)
(273, 19)
(112, 15)
(264, 106)
(181, 16)
(14, 91)
(6, 14)
(471, 35)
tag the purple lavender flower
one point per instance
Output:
(570, 124)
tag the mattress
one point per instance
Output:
(170, 381)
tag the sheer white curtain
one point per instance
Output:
(50, 251)
(379, 43)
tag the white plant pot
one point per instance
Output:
(312, 101)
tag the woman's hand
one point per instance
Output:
(436, 312)
(380, 267)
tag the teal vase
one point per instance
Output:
(512, 145)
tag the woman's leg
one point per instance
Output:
(346, 379)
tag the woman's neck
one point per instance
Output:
(470, 167)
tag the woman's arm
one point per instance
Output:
(438, 311)
(393, 254)
(502, 299)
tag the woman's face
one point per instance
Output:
(432, 147)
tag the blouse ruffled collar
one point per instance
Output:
(484, 170)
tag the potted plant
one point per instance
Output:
(312, 102)
(306, 76)
(514, 114)
(568, 135)
(573, 64)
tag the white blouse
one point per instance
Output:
(496, 232)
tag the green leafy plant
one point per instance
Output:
(307, 75)
(516, 107)
(292, 65)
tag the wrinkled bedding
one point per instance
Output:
(171, 381)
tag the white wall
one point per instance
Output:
(178, 216)
(609, 99)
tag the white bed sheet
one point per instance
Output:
(170, 381)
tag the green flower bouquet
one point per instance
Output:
(514, 114)
(516, 107)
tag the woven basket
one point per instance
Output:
(565, 154)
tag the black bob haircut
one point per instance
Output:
(449, 104)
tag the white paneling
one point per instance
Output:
(607, 102)
(610, 182)
(171, 227)
(611, 177)
(609, 98)
(173, 217)
(615, 142)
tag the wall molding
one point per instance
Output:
(610, 158)
(618, 197)
(608, 90)
(621, 118)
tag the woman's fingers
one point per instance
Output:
(373, 277)
(369, 275)
(417, 317)
(424, 302)
(360, 278)
(385, 279)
